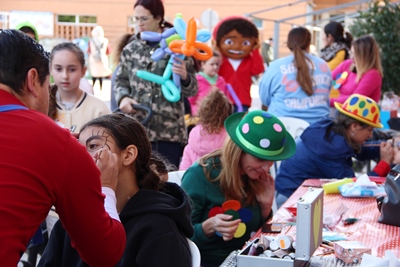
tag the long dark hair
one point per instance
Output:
(299, 40)
(337, 31)
(126, 131)
(73, 48)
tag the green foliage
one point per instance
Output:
(383, 22)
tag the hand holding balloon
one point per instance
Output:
(179, 67)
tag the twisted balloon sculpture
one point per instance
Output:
(182, 48)
(189, 46)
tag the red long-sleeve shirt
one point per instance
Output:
(241, 78)
(42, 165)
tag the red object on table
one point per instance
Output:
(376, 179)
(292, 210)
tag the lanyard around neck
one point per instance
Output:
(12, 107)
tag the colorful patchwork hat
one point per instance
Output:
(361, 108)
(261, 135)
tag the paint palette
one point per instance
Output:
(233, 208)
(308, 237)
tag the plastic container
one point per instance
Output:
(333, 187)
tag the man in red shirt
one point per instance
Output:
(42, 165)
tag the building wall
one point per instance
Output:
(113, 14)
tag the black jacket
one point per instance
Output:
(156, 225)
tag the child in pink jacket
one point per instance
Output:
(210, 132)
(207, 80)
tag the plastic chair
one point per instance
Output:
(195, 252)
(294, 126)
(175, 177)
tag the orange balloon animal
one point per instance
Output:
(190, 47)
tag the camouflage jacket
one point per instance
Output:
(167, 122)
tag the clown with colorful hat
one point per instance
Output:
(361, 108)
(260, 134)
(231, 189)
(327, 147)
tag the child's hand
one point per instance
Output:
(386, 152)
(396, 151)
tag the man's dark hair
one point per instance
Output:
(18, 54)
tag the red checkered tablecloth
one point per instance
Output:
(377, 236)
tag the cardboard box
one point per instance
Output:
(308, 234)
(350, 251)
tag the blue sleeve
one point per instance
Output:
(337, 168)
(266, 86)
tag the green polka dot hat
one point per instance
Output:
(260, 134)
(361, 108)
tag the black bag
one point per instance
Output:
(390, 205)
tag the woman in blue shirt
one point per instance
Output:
(297, 85)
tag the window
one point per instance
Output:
(87, 19)
(77, 19)
(257, 22)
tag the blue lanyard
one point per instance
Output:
(12, 107)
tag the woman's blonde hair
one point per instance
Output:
(366, 54)
(233, 186)
(299, 40)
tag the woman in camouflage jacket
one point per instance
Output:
(166, 129)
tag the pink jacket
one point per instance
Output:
(369, 84)
(199, 144)
(204, 88)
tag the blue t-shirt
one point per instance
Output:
(284, 97)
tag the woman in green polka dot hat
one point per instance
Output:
(325, 149)
(231, 189)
